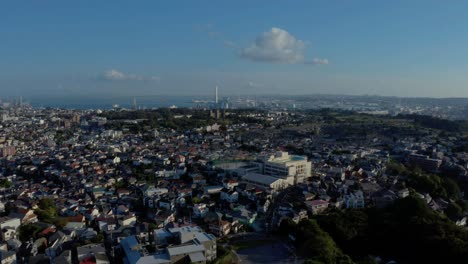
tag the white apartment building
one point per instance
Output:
(293, 168)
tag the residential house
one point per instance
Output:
(129, 220)
(354, 200)
(220, 228)
(9, 227)
(316, 206)
(27, 216)
(230, 196)
(200, 210)
(96, 252)
(7, 257)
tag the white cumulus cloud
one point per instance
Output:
(115, 75)
(276, 45)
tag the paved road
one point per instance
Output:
(271, 217)
(276, 252)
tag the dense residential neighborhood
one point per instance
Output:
(174, 186)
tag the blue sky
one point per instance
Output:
(83, 48)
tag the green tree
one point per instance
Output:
(5, 183)
(454, 211)
(196, 200)
(451, 188)
(98, 239)
(409, 225)
(317, 244)
(60, 222)
(47, 210)
(120, 184)
(27, 232)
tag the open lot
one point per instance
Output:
(272, 252)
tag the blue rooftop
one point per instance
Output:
(127, 244)
(296, 158)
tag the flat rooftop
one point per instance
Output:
(185, 249)
(283, 157)
(260, 178)
(204, 237)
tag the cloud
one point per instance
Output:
(319, 61)
(115, 75)
(230, 44)
(277, 46)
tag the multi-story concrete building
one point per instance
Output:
(265, 182)
(293, 168)
(424, 162)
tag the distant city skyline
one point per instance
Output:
(122, 48)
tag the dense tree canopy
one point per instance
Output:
(409, 231)
(178, 119)
(314, 243)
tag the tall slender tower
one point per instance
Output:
(134, 104)
(216, 95)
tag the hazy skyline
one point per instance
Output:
(94, 48)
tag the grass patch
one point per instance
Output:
(225, 256)
(228, 258)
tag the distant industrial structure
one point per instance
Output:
(134, 104)
(218, 107)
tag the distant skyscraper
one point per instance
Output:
(134, 104)
(216, 95)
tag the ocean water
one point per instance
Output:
(143, 102)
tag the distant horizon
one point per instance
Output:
(221, 95)
(151, 101)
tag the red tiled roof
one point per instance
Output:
(47, 231)
(78, 218)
